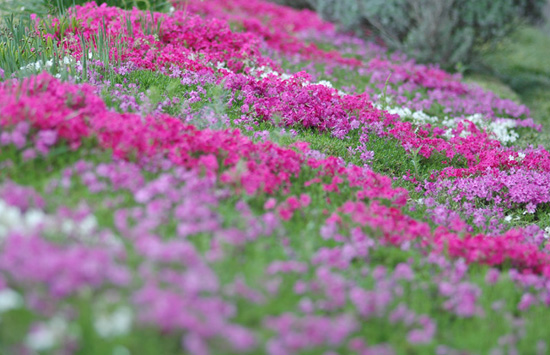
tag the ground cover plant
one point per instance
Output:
(238, 177)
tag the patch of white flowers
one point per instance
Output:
(48, 64)
(326, 83)
(38, 65)
(12, 220)
(511, 218)
(47, 334)
(84, 227)
(502, 128)
(263, 72)
(9, 299)
(114, 324)
(418, 117)
(519, 158)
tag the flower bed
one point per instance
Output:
(163, 205)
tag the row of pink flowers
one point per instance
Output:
(254, 167)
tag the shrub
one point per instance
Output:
(448, 32)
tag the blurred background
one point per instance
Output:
(502, 45)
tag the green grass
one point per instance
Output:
(522, 63)
(493, 84)
(38, 172)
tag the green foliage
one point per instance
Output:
(23, 48)
(54, 7)
(521, 62)
(448, 32)
(26, 49)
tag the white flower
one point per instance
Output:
(519, 158)
(47, 335)
(10, 219)
(285, 76)
(421, 117)
(68, 226)
(41, 339)
(326, 83)
(88, 225)
(503, 130)
(115, 324)
(9, 299)
(34, 218)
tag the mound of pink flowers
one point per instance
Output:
(45, 103)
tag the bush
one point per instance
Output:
(448, 32)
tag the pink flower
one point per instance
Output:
(527, 300)
(492, 276)
(305, 200)
(403, 271)
(270, 203)
(423, 335)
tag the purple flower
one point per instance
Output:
(47, 137)
(492, 276)
(527, 300)
(403, 271)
